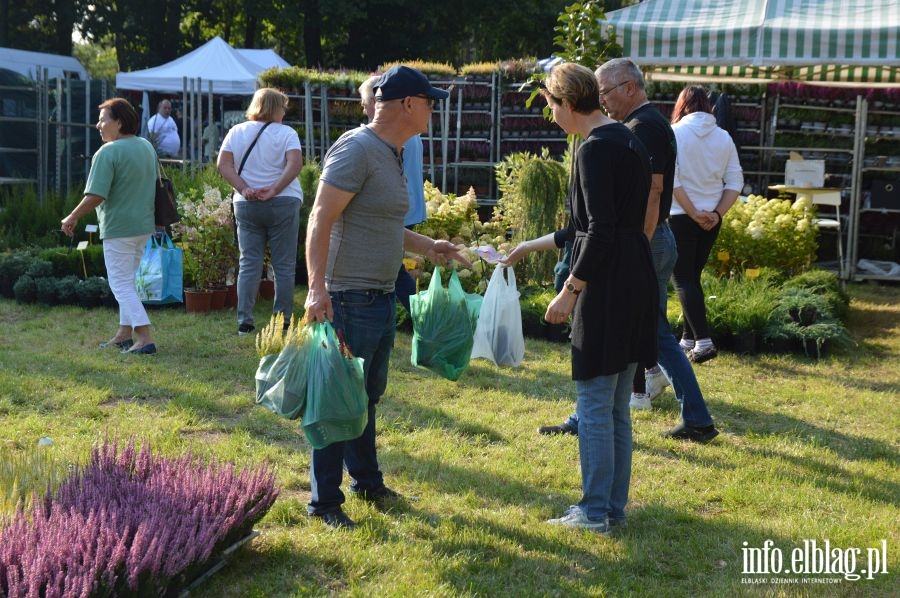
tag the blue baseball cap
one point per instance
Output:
(402, 81)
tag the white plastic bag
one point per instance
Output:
(498, 335)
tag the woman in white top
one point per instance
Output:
(267, 198)
(708, 179)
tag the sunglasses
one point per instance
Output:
(428, 99)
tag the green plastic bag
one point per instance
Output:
(281, 379)
(337, 406)
(443, 326)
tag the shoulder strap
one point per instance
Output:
(250, 149)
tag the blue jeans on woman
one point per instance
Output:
(367, 321)
(604, 443)
(670, 356)
(277, 223)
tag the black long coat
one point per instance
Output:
(614, 321)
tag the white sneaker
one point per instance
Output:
(640, 400)
(656, 384)
(575, 517)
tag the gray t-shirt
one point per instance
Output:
(366, 245)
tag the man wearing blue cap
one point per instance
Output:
(355, 239)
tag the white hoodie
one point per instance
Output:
(707, 161)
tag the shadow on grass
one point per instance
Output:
(487, 555)
(798, 469)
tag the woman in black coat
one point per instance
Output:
(611, 293)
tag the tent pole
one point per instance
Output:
(212, 120)
(184, 96)
(859, 144)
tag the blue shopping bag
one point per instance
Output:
(159, 276)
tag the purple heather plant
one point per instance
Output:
(130, 523)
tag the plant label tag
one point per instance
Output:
(82, 245)
(90, 228)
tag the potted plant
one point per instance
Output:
(206, 235)
(804, 317)
(533, 189)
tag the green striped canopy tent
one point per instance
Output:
(813, 41)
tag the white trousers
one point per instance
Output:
(123, 256)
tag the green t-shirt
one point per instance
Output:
(123, 173)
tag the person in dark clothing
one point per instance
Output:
(623, 95)
(610, 292)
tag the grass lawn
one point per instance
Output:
(808, 452)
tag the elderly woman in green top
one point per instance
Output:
(121, 187)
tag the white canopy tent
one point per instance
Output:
(230, 71)
(265, 59)
(814, 41)
(213, 68)
(32, 64)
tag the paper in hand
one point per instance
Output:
(489, 254)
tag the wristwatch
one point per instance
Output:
(571, 288)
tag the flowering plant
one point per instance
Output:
(455, 218)
(205, 232)
(760, 233)
(131, 523)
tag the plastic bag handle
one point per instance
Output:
(510, 277)
(164, 241)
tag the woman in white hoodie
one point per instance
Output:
(708, 179)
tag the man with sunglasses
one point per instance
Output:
(416, 213)
(355, 239)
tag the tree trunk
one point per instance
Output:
(312, 34)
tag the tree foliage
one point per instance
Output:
(582, 39)
(357, 34)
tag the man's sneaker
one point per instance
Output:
(379, 498)
(245, 329)
(575, 517)
(656, 384)
(639, 400)
(700, 434)
(701, 355)
(563, 428)
(686, 347)
(336, 519)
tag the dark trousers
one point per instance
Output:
(694, 246)
(404, 287)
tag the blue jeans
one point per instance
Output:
(276, 222)
(670, 356)
(367, 321)
(404, 286)
(604, 443)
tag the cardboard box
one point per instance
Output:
(804, 173)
